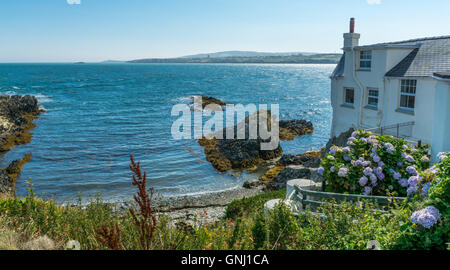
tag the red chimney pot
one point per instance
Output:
(352, 25)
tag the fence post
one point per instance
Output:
(420, 143)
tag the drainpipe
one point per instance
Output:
(360, 85)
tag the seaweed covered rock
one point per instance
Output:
(308, 159)
(340, 141)
(9, 175)
(16, 119)
(233, 153)
(289, 129)
(205, 101)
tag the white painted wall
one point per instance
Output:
(432, 106)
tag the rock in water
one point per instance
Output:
(289, 129)
(227, 154)
(16, 119)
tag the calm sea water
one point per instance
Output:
(97, 114)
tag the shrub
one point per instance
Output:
(428, 227)
(373, 165)
(248, 206)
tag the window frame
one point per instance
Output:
(369, 96)
(408, 88)
(365, 60)
(345, 103)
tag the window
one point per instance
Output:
(349, 96)
(365, 60)
(408, 94)
(372, 100)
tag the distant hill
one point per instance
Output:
(250, 57)
(242, 54)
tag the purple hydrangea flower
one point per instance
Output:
(381, 164)
(321, 170)
(367, 171)
(366, 163)
(400, 164)
(363, 181)
(347, 158)
(389, 148)
(409, 158)
(378, 170)
(373, 178)
(333, 169)
(403, 182)
(426, 217)
(346, 149)
(351, 139)
(367, 190)
(411, 170)
(355, 133)
(381, 176)
(375, 147)
(397, 175)
(413, 180)
(425, 189)
(376, 158)
(411, 190)
(343, 172)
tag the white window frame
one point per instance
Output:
(345, 96)
(365, 57)
(411, 84)
(369, 96)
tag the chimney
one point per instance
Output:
(352, 25)
(351, 39)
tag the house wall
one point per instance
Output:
(423, 114)
(360, 115)
(441, 124)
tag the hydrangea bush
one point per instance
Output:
(429, 226)
(375, 165)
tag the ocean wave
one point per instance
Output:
(43, 99)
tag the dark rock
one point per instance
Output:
(340, 140)
(6, 183)
(290, 173)
(289, 129)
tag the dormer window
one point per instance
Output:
(365, 60)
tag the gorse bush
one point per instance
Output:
(373, 165)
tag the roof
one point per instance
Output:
(443, 75)
(428, 56)
(339, 70)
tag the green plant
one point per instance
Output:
(373, 165)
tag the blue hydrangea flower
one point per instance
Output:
(363, 181)
(411, 170)
(346, 149)
(381, 164)
(397, 175)
(347, 158)
(333, 169)
(425, 189)
(321, 170)
(403, 182)
(411, 190)
(367, 190)
(441, 156)
(343, 172)
(367, 171)
(426, 217)
(373, 178)
(400, 164)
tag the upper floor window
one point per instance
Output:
(372, 100)
(349, 96)
(365, 60)
(408, 94)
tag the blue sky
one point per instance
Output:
(96, 30)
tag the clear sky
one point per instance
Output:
(97, 30)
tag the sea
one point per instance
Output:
(99, 114)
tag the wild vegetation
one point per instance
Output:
(419, 223)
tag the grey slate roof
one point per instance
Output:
(431, 55)
(443, 75)
(339, 70)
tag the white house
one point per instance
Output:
(393, 83)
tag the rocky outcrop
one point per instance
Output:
(227, 154)
(207, 101)
(289, 129)
(289, 173)
(309, 159)
(16, 119)
(9, 175)
(340, 140)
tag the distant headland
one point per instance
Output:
(246, 57)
